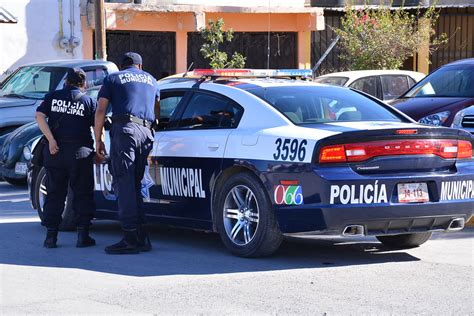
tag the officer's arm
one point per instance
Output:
(43, 125)
(99, 124)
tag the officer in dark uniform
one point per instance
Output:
(133, 94)
(68, 158)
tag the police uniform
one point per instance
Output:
(70, 115)
(132, 93)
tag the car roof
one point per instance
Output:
(468, 61)
(355, 74)
(70, 63)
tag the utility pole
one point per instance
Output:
(100, 49)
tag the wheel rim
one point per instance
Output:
(42, 192)
(241, 215)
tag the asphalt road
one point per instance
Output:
(192, 273)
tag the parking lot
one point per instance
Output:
(192, 273)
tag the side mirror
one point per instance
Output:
(108, 123)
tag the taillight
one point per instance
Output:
(464, 149)
(332, 154)
(357, 152)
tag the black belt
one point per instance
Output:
(131, 118)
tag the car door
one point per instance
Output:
(190, 151)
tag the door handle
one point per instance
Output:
(213, 146)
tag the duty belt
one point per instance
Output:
(131, 118)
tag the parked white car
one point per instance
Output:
(383, 84)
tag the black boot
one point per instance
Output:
(128, 244)
(83, 238)
(144, 243)
(51, 238)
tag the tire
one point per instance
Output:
(68, 220)
(14, 181)
(251, 229)
(405, 240)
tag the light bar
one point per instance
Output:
(253, 72)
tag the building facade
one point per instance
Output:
(38, 30)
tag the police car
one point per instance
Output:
(254, 157)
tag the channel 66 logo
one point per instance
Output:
(288, 193)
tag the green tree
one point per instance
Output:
(380, 38)
(214, 36)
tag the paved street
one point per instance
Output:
(191, 273)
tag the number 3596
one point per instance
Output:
(290, 149)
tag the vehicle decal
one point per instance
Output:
(290, 149)
(457, 190)
(185, 182)
(288, 193)
(359, 194)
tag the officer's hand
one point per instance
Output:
(53, 147)
(99, 158)
(101, 148)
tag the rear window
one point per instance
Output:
(313, 104)
(333, 81)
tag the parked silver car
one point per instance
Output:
(465, 119)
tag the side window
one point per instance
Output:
(95, 76)
(367, 85)
(169, 101)
(411, 82)
(209, 111)
(393, 86)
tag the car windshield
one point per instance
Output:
(319, 104)
(32, 82)
(450, 81)
(333, 81)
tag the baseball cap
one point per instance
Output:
(76, 75)
(131, 58)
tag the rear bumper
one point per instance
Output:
(387, 220)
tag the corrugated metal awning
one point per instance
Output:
(6, 17)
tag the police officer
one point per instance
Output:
(68, 159)
(133, 94)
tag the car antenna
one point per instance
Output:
(189, 69)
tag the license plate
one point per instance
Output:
(20, 168)
(413, 192)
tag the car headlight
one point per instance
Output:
(27, 153)
(436, 119)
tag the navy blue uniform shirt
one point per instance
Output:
(131, 91)
(77, 114)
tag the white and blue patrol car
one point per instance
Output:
(256, 158)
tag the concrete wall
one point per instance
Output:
(36, 35)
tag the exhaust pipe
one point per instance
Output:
(353, 230)
(456, 224)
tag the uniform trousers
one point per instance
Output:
(70, 168)
(130, 146)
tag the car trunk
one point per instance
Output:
(402, 151)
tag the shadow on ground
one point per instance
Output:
(179, 252)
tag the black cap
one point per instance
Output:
(76, 76)
(131, 58)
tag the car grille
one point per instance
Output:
(468, 121)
